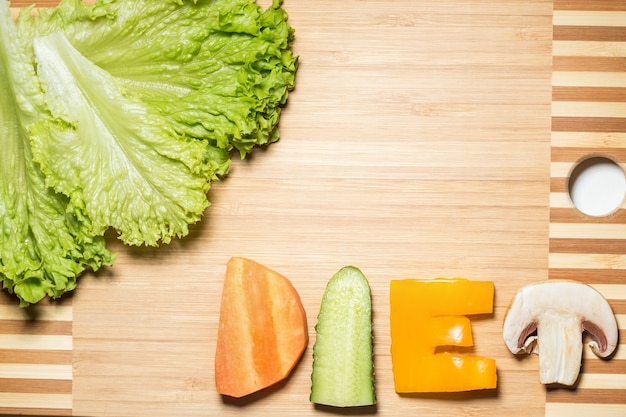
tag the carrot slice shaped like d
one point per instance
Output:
(262, 330)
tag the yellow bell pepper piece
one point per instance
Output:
(427, 315)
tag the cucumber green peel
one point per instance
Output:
(343, 367)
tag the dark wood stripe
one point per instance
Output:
(589, 124)
(63, 328)
(589, 33)
(619, 307)
(35, 386)
(584, 246)
(11, 299)
(558, 185)
(591, 94)
(575, 154)
(51, 412)
(593, 365)
(571, 215)
(595, 5)
(591, 276)
(8, 299)
(585, 396)
(47, 357)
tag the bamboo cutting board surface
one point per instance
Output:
(589, 120)
(424, 139)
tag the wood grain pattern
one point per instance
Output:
(36, 358)
(586, 6)
(418, 143)
(588, 120)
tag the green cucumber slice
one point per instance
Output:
(343, 366)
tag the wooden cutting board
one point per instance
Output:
(424, 139)
(589, 120)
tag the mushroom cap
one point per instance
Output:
(537, 301)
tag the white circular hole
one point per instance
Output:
(597, 186)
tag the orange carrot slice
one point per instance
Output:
(262, 330)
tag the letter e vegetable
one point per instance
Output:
(428, 314)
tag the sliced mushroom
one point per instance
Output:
(548, 318)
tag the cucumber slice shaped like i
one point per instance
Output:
(343, 367)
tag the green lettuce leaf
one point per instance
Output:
(219, 70)
(43, 247)
(113, 153)
(120, 113)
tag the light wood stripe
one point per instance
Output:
(601, 381)
(561, 169)
(587, 18)
(42, 313)
(33, 401)
(611, 291)
(587, 231)
(585, 410)
(588, 49)
(35, 342)
(561, 200)
(588, 109)
(35, 371)
(588, 79)
(593, 261)
(588, 139)
(587, 5)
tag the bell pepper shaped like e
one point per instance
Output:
(429, 315)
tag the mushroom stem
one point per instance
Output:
(560, 311)
(560, 348)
